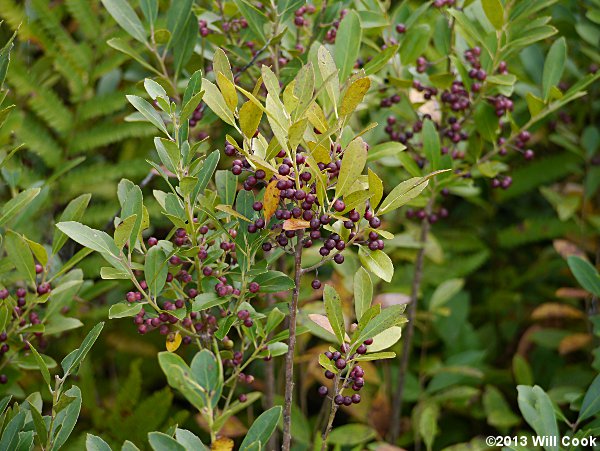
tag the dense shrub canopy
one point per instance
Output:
(291, 225)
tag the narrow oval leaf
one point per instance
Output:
(271, 200)
(125, 16)
(353, 163)
(347, 44)
(377, 262)
(554, 66)
(333, 309)
(155, 270)
(363, 292)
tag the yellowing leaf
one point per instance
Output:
(228, 91)
(173, 342)
(375, 189)
(295, 224)
(353, 163)
(271, 199)
(221, 64)
(250, 116)
(222, 444)
(227, 209)
(354, 95)
(319, 152)
(556, 310)
(574, 343)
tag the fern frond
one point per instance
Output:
(39, 140)
(46, 104)
(109, 132)
(102, 105)
(86, 15)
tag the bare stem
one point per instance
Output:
(332, 412)
(289, 358)
(410, 329)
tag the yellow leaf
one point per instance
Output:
(228, 90)
(354, 95)
(229, 210)
(295, 224)
(319, 152)
(556, 310)
(271, 199)
(574, 343)
(222, 444)
(173, 342)
(250, 116)
(316, 117)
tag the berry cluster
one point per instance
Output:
(203, 28)
(442, 3)
(26, 310)
(235, 25)
(299, 19)
(297, 201)
(332, 32)
(350, 374)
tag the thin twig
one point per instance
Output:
(410, 328)
(289, 358)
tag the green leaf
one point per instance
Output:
(10, 433)
(162, 442)
(123, 231)
(125, 16)
(275, 318)
(404, 193)
(154, 90)
(389, 317)
(66, 419)
(95, 443)
(216, 102)
(444, 292)
(155, 270)
(328, 69)
(20, 255)
(376, 356)
(538, 411)
(380, 60)
(494, 11)
(256, 19)
(41, 365)
(377, 262)
(522, 370)
(375, 189)
(122, 46)
(133, 205)
(205, 371)
(414, 43)
(351, 435)
(431, 144)
(353, 163)
(73, 212)
(148, 112)
(94, 239)
(189, 440)
(335, 314)
(205, 174)
(554, 66)
(428, 423)
(585, 273)
(274, 282)
(191, 105)
(71, 361)
(363, 292)
(591, 401)
(124, 310)
(226, 183)
(150, 10)
(262, 428)
(347, 44)
(17, 204)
